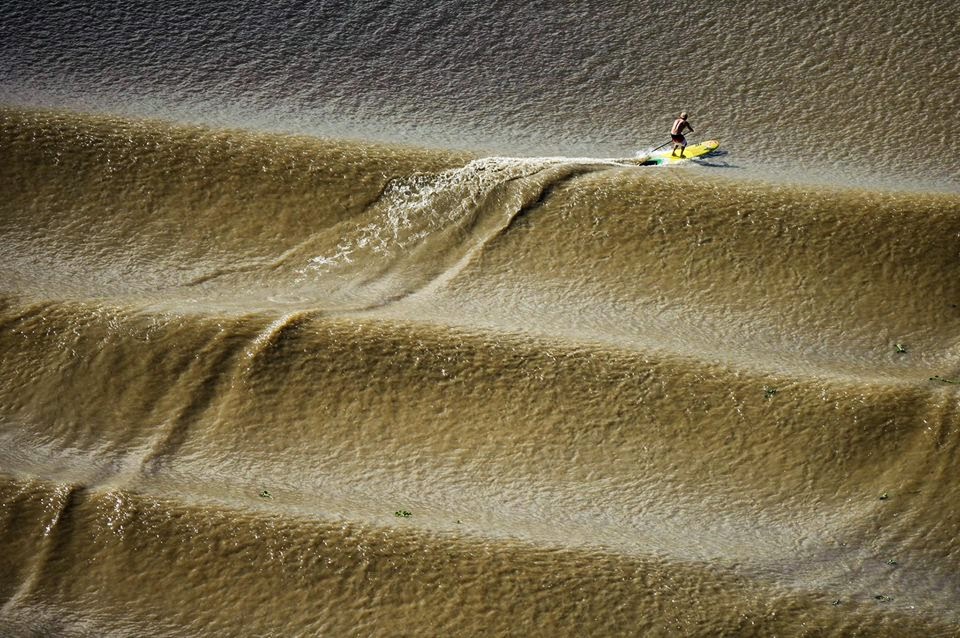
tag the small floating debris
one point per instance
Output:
(882, 598)
(937, 377)
(884, 496)
(892, 563)
(402, 514)
(901, 349)
(836, 602)
(769, 392)
(265, 494)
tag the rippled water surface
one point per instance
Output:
(358, 319)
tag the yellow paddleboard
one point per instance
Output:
(692, 152)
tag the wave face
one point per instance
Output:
(269, 385)
(272, 367)
(828, 90)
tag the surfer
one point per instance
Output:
(676, 134)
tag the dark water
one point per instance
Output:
(436, 364)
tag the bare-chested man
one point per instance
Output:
(676, 133)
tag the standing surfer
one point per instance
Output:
(676, 134)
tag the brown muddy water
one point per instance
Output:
(267, 371)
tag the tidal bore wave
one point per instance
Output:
(269, 385)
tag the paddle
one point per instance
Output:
(671, 140)
(661, 146)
